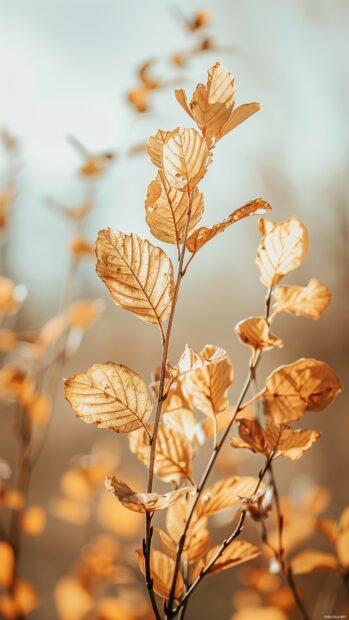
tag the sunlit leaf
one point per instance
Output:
(255, 332)
(123, 523)
(185, 158)
(238, 552)
(111, 396)
(312, 560)
(34, 520)
(281, 250)
(197, 538)
(162, 569)
(145, 502)
(305, 385)
(73, 602)
(7, 564)
(139, 275)
(202, 235)
(225, 493)
(84, 312)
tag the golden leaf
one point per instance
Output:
(212, 106)
(139, 275)
(162, 569)
(194, 548)
(309, 301)
(225, 493)
(290, 443)
(145, 502)
(111, 396)
(84, 312)
(259, 613)
(197, 538)
(155, 145)
(73, 602)
(167, 210)
(238, 552)
(281, 250)
(328, 527)
(34, 520)
(202, 235)
(173, 453)
(254, 332)
(312, 560)
(190, 360)
(123, 523)
(252, 436)
(305, 385)
(7, 564)
(207, 386)
(185, 158)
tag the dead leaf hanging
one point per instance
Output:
(162, 570)
(225, 493)
(238, 552)
(184, 159)
(254, 332)
(309, 301)
(111, 396)
(139, 275)
(145, 502)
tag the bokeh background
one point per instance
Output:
(65, 69)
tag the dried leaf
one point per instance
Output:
(162, 569)
(184, 159)
(167, 210)
(226, 493)
(309, 301)
(252, 436)
(190, 360)
(212, 106)
(281, 250)
(305, 385)
(202, 235)
(312, 560)
(238, 552)
(111, 396)
(207, 386)
(173, 453)
(145, 502)
(7, 564)
(155, 145)
(254, 332)
(290, 443)
(139, 275)
(197, 538)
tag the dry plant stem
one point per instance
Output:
(161, 398)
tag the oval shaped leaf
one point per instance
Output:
(309, 301)
(111, 396)
(162, 570)
(254, 332)
(185, 158)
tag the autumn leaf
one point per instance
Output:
(237, 552)
(255, 333)
(111, 396)
(290, 443)
(309, 301)
(34, 520)
(252, 436)
(312, 560)
(167, 210)
(190, 360)
(139, 275)
(162, 570)
(202, 235)
(72, 600)
(145, 502)
(207, 386)
(281, 250)
(225, 493)
(173, 453)
(305, 385)
(184, 159)
(197, 538)
(212, 106)
(83, 313)
(155, 145)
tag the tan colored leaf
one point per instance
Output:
(259, 613)
(111, 396)
(155, 145)
(7, 564)
(145, 502)
(208, 386)
(202, 235)
(305, 385)
(197, 538)
(185, 158)
(167, 210)
(313, 560)
(281, 250)
(190, 361)
(162, 569)
(139, 275)
(251, 436)
(194, 548)
(290, 443)
(238, 552)
(328, 527)
(225, 493)
(212, 106)
(342, 547)
(255, 332)
(173, 453)
(123, 523)
(309, 301)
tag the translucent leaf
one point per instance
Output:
(290, 443)
(111, 396)
(281, 250)
(155, 145)
(162, 569)
(185, 158)
(309, 301)
(197, 539)
(238, 552)
(312, 560)
(167, 210)
(225, 493)
(139, 275)
(305, 385)
(255, 333)
(202, 235)
(145, 502)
